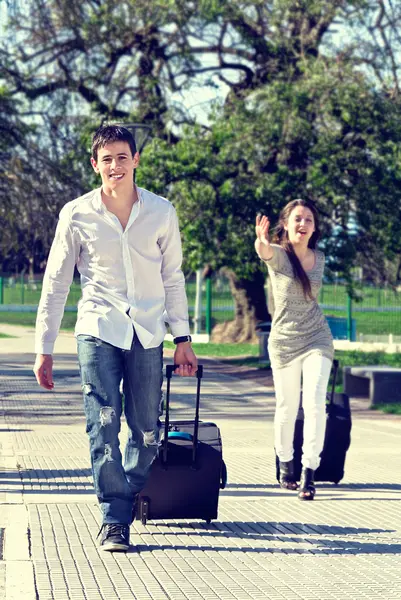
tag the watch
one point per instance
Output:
(182, 338)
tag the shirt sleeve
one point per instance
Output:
(176, 304)
(277, 261)
(57, 280)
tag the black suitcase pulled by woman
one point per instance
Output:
(337, 437)
(186, 477)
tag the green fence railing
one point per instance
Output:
(375, 312)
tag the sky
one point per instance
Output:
(197, 100)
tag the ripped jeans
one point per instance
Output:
(102, 368)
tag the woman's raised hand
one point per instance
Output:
(262, 228)
(262, 244)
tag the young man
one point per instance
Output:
(125, 242)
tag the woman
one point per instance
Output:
(300, 342)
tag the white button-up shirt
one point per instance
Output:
(130, 279)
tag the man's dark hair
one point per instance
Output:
(107, 134)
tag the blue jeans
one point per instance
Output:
(102, 368)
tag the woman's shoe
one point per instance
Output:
(307, 489)
(287, 478)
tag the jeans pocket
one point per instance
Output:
(90, 339)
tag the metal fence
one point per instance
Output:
(375, 316)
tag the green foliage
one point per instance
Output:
(328, 136)
(301, 118)
(392, 408)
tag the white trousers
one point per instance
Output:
(315, 372)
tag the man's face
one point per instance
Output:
(116, 165)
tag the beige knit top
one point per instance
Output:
(299, 326)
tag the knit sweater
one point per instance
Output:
(299, 326)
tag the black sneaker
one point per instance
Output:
(115, 537)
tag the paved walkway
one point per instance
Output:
(264, 545)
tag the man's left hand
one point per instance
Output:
(186, 360)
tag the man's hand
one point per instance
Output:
(43, 370)
(184, 357)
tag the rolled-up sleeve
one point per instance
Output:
(173, 278)
(57, 280)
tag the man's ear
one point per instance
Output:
(94, 165)
(136, 159)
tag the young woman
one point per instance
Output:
(300, 342)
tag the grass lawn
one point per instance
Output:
(377, 323)
(4, 335)
(393, 408)
(28, 319)
(246, 351)
(372, 323)
(354, 358)
(334, 294)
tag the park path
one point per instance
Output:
(265, 544)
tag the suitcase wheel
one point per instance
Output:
(144, 510)
(223, 475)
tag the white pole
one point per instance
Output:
(198, 302)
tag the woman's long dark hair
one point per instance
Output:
(280, 236)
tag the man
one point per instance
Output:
(125, 242)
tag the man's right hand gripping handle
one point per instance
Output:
(43, 370)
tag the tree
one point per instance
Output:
(330, 137)
(125, 60)
(37, 176)
(117, 59)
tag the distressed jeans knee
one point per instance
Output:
(107, 414)
(103, 367)
(150, 438)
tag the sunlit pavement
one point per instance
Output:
(265, 543)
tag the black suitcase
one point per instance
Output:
(337, 437)
(186, 477)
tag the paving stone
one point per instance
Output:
(265, 544)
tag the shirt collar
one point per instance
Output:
(97, 200)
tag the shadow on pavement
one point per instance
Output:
(270, 527)
(284, 532)
(12, 429)
(39, 474)
(323, 548)
(360, 486)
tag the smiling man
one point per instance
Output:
(126, 245)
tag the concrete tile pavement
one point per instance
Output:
(265, 543)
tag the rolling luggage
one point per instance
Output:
(337, 437)
(186, 477)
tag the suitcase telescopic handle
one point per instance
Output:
(169, 373)
(171, 368)
(336, 364)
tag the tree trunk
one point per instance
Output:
(250, 309)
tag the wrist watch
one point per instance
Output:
(182, 338)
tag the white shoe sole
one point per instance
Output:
(113, 547)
